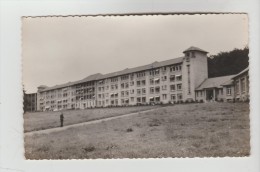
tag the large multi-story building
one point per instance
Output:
(174, 80)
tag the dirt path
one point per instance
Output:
(50, 130)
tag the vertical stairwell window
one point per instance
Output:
(188, 69)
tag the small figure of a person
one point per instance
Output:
(61, 119)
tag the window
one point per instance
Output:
(157, 90)
(143, 82)
(188, 68)
(164, 68)
(178, 77)
(179, 96)
(154, 72)
(126, 85)
(140, 74)
(164, 87)
(122, 85)
(172, 68)
(164, 78)
(151, 90)
(157, 98)
(126, 77)
(122, 93)
(138, 91)
(143, 91)
(143, 99)
(175, 68)
(101, 82)
(132, 99)
(152, 81)
(164, 96)
(138, 83)
(173, 97)
(132, 76)
(229, 91)
(138, 99)
(157, 81)
(179, 86)
(132, 91)
(172, 87)
(132, 83)
(172, 78)
(114, 79)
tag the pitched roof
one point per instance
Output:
(58, 86)
(216, 82)
(143, 68)
(89, 78)
(194, 49)
(242, 72)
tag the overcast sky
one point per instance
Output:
(63, 49)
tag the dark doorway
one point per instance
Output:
(209, 95)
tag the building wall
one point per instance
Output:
(198, 64)
(241, 84)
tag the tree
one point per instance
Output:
(228, 63)
(25, 101)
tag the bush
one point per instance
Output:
(129, 130)
(201, 101)
(89, 148)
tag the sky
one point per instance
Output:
(56, 50)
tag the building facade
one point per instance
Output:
(174, 80)
(30, 102)
(241, 85)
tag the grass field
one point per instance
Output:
(194, 130)
(45, 120)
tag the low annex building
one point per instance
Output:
(225, 88)
(175, 80)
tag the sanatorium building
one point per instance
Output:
(172, 81)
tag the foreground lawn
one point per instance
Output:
(194, 130)
(45, 120)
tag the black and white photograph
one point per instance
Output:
(136, 86)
